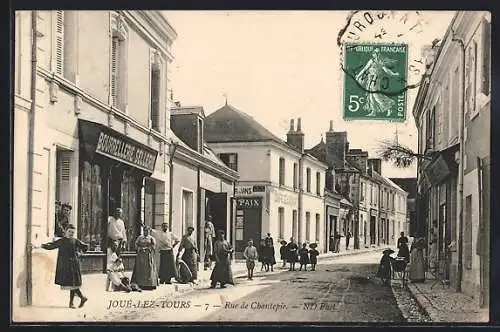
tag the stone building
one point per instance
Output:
(452, 113)
(280, 188)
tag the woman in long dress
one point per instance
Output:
(68, 273)
(370, 77)
(268, 252)
(222, 270)
(190, 253)
(417, 265)
(145, 274)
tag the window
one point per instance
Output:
(486, 57)
(295, 226)
(63, 189)
(59, 38)
(149, 203)
(155, 88)
(230, 160)
(308, 226)
(371, 194)
(470, 72)
(318, 226)
(454, 103)
(281, 219)
(92, 202)
(200, 136)
(282, 171)
(430, 130)
(187, 209)
(118, 75)
(295, 174)
(308, 177)
(362, 198)
(468, 233)
(318, 183)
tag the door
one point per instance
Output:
(373, 230)
(217, 205)
(248, 221)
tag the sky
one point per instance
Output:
(279, 65)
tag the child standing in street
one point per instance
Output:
(283, 252)
(251, 256)
(304, 257)
(313, 254)
(68, 274)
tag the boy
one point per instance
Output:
(313, 254)
(251, 256)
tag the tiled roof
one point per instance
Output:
(228, 124)
(319, 151)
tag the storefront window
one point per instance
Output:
(91, 213)
(130, 205)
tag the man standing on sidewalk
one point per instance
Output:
(336, 237)
(117, 231)
(347, 239)
(165, 244)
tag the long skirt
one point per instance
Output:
(191, 259)
(68, 274)
(222, 273)
(168, 269)
(417, 266)
(268, 255)
(144, 274)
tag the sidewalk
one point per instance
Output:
(444, 304)
(55, 300)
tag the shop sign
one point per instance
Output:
(437, 171)
(244, 190)
(373, 212)
(285, 199)
(248, 203)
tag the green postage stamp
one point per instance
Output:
(375, 79)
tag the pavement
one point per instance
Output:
(54, 303)
(443, 304)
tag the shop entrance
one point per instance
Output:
(248, 221)
(217, 208)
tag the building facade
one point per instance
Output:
(97, 143)
(369, 199)
(410, 186)
(280, 188)
(452, 111)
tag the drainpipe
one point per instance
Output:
(31, 153)
(461, 172)
(171, 149)
(301, 197)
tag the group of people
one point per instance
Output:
(335, 241)
(291, 253)
(148, 271)
(413, 255)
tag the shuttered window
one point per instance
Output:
(486, 45)
(318, 222)
(59, 42)
(155, 98)
(308, 226)
(115, 70)
(282, 171)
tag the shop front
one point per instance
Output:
(112, 172)
(332, 205)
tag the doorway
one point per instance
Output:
(373, 230)
(217, 208)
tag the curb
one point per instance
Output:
(421, 301)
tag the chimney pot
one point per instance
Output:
(291, 126)
(331, 125)
(299, 125)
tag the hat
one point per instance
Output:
(190, 227)
(164, 223)
(283, 242)
(220, 231)
(388, 251)
(70, 226)
(313, 245)
(209, 217)
(118, 210)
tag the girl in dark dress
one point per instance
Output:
(268, 252)
(304, 257)
(283, 252)
(313, 255)
(68, 273)
(384, 269)
(292, 255)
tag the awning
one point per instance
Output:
(97, 138)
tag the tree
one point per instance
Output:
(400, 155)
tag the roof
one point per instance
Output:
(228, 124)
(319, 151)
(408, 184)
(188, 110)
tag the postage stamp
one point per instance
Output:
(375, 78)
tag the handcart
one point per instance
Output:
(399, 265)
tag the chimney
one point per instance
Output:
(187, 123)
(359, 159)
(296, 138)
(336, 144)
(375, 164)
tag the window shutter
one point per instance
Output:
(486, 44)
(59, 42)
(155, 98)
(115, 44)
(474, 77)
(63, 176)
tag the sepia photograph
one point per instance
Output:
(250, 166)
